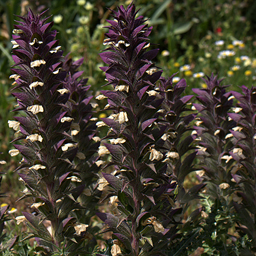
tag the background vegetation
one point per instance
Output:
(195, 38)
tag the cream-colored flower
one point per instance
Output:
(67, 146)
(122, 88)
(17, 31)
(81, 2)
(113, 200)
(227, 158)
(35, 40)
(14, 152)
(217, 132)
(238, 151)
(57, 71)
(96, 138)
(35, 109)
(146, 46)
(152, 93)
(100, 124)
(175, 79)
(14, 44)
(151, 71)
(116, 250)
(197, 75)
(37, 205)
(14, 124)
(204, 214)
(117, 141)
(103, 151)
(2, 162)
(74, 179)
(80, 228)
(94, 119)
(94, 105)
(155, 155)
(224, 185)
(66, 119)
(99, 163)
(35, 137)
(185, 68)
(200, 173)
(35, 84)
(55, 49)
(122, 117)
(229, 135)
(20, 219)
(236, 110)
(37, 63)
(101, 97)
(84, 20)
(63, 91)
(172, 154)
(102, 183)
(37, 167)
(14, 76)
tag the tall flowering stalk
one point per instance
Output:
(145, 220)
(213, 130)
(243, 155)
(46, 135)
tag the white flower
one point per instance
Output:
(35, 137)
(37, 167)
(66, 119)
(147, 45)
(84, 20)
(197, 75)
(237, 151)
(116, 250)
(80, 228)
(57, 18)
(220, 42)
(116, 141)
(13, 210)
(235, 68)
(88, 6)
(37, 63)
(175, 79)
(103, 151)
(81, 2)
(35, 84)
(35, 109)
(14, 124)
(237, 128)
(155, 155)
(96, 138)
(14, 152)
(94, 105)
(20, 219)
(67, 146)
(237, 42)
(63, 91)
(2, 162)
(14, 44)
(122, 117)
(244, 58)
(185, 68)
(217, 132)
(226, 53)
(17, 31)
(200, 173)
(122, 88)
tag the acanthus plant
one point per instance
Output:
(147, 218)
(243, 154)
(49, 102)
(213, 130)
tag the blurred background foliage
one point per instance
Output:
(194, 37)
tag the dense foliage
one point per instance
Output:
(153, 172)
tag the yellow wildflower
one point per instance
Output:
(248, 72)
(188, 73)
